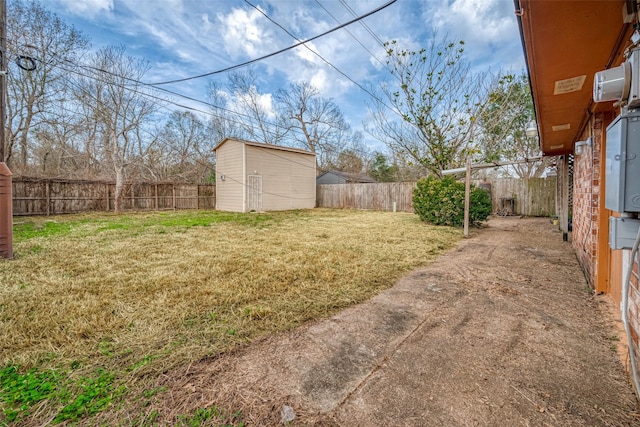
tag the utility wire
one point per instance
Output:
(352, 35)
(234, 67)
(364, 24)
(208, 113)
(323, 59)
(148, 95)
(92, 69)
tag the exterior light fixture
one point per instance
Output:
(532, 129)
(222, 177)
(580, 146)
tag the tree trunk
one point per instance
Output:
(118, 194)
(118, 165)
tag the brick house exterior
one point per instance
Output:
(561, 66)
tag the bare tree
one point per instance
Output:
(430, 112)
(38, 43)
(116, 99)
(255, 111)
(315, 123)
(187, 148)
(223, 122)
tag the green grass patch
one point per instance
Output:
(41, 228)
(210, 416)
(86, 396)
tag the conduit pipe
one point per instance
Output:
(625, 312)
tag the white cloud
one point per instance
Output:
(488, 28)
(165, 38)
(89, 8)
(482, 21)
(242, 33)
(206, 23)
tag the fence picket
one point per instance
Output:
(33, 196)
(533, 196)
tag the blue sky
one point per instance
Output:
(181, 38)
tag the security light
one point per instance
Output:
(532, 129)
(580, 146)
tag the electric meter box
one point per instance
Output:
(622, 188)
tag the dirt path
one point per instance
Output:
(500, 331)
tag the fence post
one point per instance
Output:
(197, 196)
(6, 212)
(107, 193)
(156, 197)
(467, 194)
(48, 196)
(173, 195)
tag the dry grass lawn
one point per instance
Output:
(138, 294)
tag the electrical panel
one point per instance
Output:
(622, 182)
(623, 232)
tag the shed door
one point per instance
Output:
(254, 193)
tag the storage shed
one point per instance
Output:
(252, 176)
(339, 177)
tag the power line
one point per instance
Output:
(79, 87)
(374, 96)
(351, 34)
(364, 24)
(315, 52)
(164, 100)
(234, 67)
(208, 113)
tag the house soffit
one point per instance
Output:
(566, 43)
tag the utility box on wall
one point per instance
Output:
(622, 192)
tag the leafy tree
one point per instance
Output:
(507, 111)
(437, 99)
(380, 170)
(349, 161)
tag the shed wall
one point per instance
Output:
(288, 178)
(230, 190)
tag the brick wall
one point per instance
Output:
(586, 200)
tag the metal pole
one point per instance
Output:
(467, 197)
(6, 198)
(492, 165)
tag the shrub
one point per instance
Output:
(441, 202)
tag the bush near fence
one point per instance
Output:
(531, 197)
(35, 196)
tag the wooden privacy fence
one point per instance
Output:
(530, 197)
(33, 196)
(376, 196)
